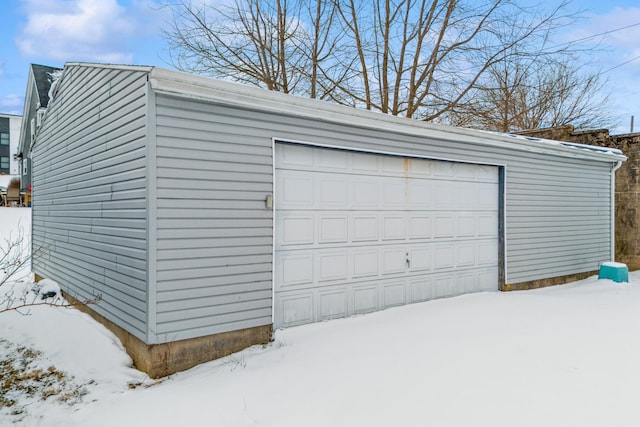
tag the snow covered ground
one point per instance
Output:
(560, 356)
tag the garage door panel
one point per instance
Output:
(420, 289)
(420, 226)
(443, 286)
(332, 265)
(443, 169)
(465, 171)
(466, 283)
(364, 194)
(466, 195)
(444, 226)
(365, 299)
(420, 258)
(393, 193)
(293, 157)
(444, 256)
(295, 190)
(296, 230)
(333, 160)
(365, 228)
(333, 304)
(332, 190)
(486, 252)
(364, 163)
(332, 229)
(294, 268)
(466, 225)
(394, 260)
(487, 174)
(444, 195)
(394, 165)
(465, 255)
(487, 225)
(419, 168)
(486, 279)
(419, 193)
(393, 294)
(364, 262)
(375, 231)
(393, 227)
(487, 195)
(295, 309)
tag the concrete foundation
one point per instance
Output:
(160, 360)
(552, 281)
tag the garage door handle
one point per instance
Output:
(408, 262)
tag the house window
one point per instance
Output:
(4, 163)
(4, 139)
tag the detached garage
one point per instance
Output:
(207, 213)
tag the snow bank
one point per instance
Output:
(560, 356)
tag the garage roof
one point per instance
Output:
(222, 92)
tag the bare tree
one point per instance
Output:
(421, 59)
(524, 93)
(17, 293)
(281, 45)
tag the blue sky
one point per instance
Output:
(52, 32)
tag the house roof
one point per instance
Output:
(41, 75)
(178, 83)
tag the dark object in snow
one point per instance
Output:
(46, 288)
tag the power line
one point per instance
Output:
(621, 64)
(602, 34)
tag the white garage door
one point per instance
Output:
(359, 232)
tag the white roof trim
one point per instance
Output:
(222, 92)
(146, 68)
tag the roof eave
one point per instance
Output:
(233, 94)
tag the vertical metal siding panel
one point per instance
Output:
(89, 209)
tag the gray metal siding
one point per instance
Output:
(89, 210)
(214, 233)
(215, 236)
(190, 206)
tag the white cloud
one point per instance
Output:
(76, 30)
(612, 55)
(11, 104)
(619, 43)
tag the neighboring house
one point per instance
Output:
(35, 104)
(9, 133)
(205, 213)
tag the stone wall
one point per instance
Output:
(627, 217)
